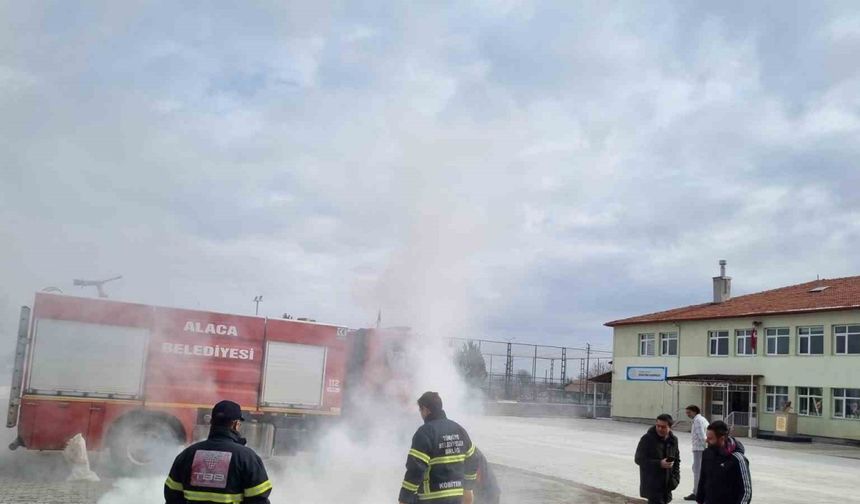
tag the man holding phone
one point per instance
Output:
(659, 462)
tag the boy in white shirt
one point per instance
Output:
(699, 434)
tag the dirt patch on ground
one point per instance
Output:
(526, 487)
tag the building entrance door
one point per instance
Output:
(739, 404)
(717, 404)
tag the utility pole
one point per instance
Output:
(257, 301)
(534, 376)
(563, 366)
(587, 364)
(509, 371)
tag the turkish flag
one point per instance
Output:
(754, 340)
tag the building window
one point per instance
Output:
(810, 340)
(646, 344)
(846, 403)
(809, 401)
(668, 343)
(744, 342)
(776, 397)
(778, 340)
(718, 342)
(847, 339)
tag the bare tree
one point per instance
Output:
(599, 367)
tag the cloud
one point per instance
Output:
(494, 168)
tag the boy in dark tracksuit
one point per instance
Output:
(725, 477)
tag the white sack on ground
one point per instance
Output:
(75, 454)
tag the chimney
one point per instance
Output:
(722, 285)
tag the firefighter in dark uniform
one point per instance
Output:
(220, 469)
(441, 467)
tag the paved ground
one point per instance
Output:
(35, 478)
(32, 477)
(538, 461)
(39, 478)
(599, 453)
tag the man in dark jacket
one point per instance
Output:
(725, 477)
(441, 466)
(659, 462)
(220, 469)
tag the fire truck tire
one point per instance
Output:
(144, 443)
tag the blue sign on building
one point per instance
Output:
(647, 373)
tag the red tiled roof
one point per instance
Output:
(840, 294)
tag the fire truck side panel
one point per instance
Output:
(199, 358)
(85, 359)
(305, 335)
(54, 422)
(48, 418)
(94, 311)
(189, 360)
(46, 424)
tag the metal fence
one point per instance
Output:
(541, 373)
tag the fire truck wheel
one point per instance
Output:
(144, 443)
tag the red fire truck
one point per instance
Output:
(130, 376)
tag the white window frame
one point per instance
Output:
(845, 335)
(666, 338)
(806, 333)
(715, 337)
(644, 339)
(771, 392)
(776, 337)
(806, 398)
(744, 334)
(846, 403)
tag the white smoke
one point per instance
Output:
(362, 459)
(342, 468)
(427, 285)
(135, 491)
(366, 466)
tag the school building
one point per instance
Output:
(751, 360)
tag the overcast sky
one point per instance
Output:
(501, 169)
